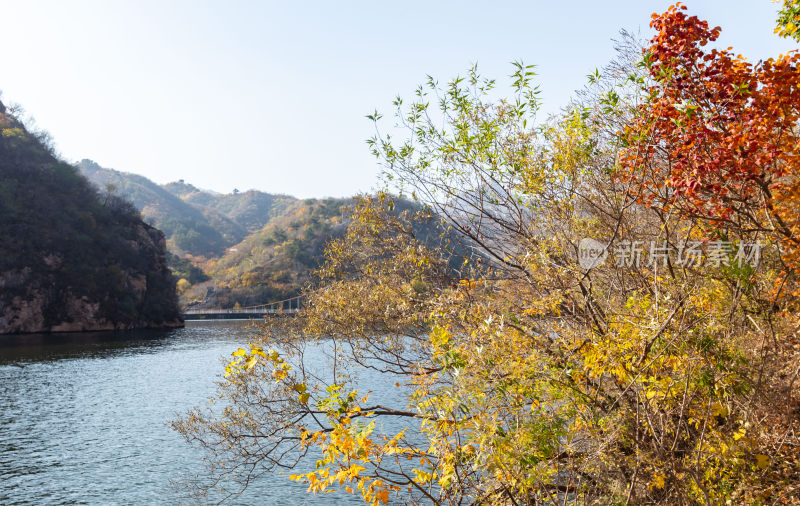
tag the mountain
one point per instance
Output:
(251, 210)
(275, 262)
(189, 229)
(196, 222)
(244, 248)
(73, 259)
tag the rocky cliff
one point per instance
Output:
(73, 258)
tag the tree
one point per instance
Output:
(789, 20)
(364, 291)
(182, 286)
(533, 376)
(717, 137)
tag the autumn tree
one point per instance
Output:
(789, 20)
(182, 286)
(608, 341)
(717, 138)
(716, 143)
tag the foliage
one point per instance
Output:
(313, 414)
(526, 376)
(182, 285)
(64, 241)
(184, 269)
(717, 137)
(789, 20)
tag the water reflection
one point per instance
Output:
(83, 416)
(21, 349)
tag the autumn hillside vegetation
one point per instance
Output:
(627, 335)
(217, 242)
(242, 248)
(278, 261)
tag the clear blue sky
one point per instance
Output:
(247, 94)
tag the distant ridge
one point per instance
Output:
(189, 229)
(255, 246)
(195, 221)
(243, 248)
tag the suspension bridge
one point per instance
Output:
(285, 307)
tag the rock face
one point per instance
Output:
(72, 259)
(39, 302)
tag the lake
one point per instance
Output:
(83, 417)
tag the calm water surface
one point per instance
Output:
(83, 417)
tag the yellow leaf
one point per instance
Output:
(718, 409)
(252, 362)
(658, 481)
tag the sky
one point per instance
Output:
(273, 96)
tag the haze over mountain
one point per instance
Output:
(250, 210)
(244, 248)
(189, 229)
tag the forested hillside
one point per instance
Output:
(242, 248)
(72, 258)
(196, 222)
(189, 229)
(275, 262)
(250, 210)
